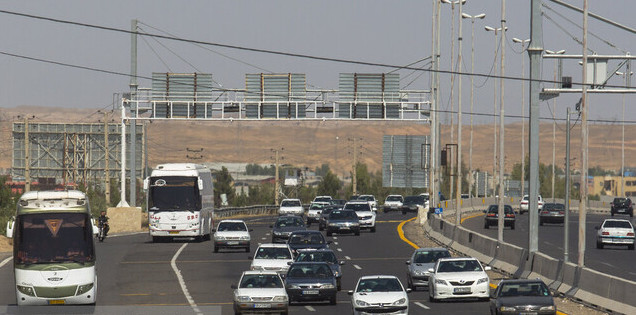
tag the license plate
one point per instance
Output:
(262, 305)
(56, 302)
(310, 291)
(461, 290)
(344, 227)
(173, 232)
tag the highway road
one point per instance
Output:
(614, 260)
(141, 277)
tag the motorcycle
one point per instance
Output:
(101, 234)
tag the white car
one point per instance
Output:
(326, 199)
(453, 278)
(291, 206)
(272, 257)
(523, 205)
(393, 203)
(615, 232)
(371, 200)
(379, 294)
(427, 197)
(366, 216)
(314, 211)
(260, 291)
(232, 234)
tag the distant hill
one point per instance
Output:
(313, 143)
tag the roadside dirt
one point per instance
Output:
(6, 244)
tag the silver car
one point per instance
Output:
(421, 261)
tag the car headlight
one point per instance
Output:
(278, 233)
(257, 268)
(482, 280)
(547, 308)
(333, 224)
(327, 286)
(400, 301)
(336, 273)
(219, 238)
(26, 290)
(507, 309)
(440, 281)
(293, 286)
(361, 303)
(280, 298)
(419, 272)
(245, 238)
(84, 288)
(243, 298)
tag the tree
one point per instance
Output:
(329, 185)
(223, 185)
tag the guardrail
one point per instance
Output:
(587, 285)
(482, 203)
(249, 210)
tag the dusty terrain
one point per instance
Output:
(316, 142)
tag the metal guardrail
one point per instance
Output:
(249, 210)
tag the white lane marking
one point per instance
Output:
(422, 305)
(347, 258)
(126, 234)
(335, 243)
(309, 308)
(184, 288)
(264, 238)
(631, 273)
(334, 237)
(357, 267)
(607, 264)
(339, 249)
(4, 262)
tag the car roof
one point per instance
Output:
(619, 220)
(521, 281)
(273, 245)
(431, 249)
(378, 276)
(358, 202)
(313, 250)
(232, 220)
(307, 232)
(260, 272)
(456, 259)
(294, 199)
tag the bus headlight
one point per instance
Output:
(26, 290)
(84, 288)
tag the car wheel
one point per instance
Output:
(599, 245)
(329, 233)
(631, 214)
(373, 229)
(403, 212)
(332, 300)
(431, 298)
(247, 249)
(512, 227)
(612, 213)
(338, 284)
(320, 228)
(216, 249)
(486, 226)
(630, 247)
(387, 210)
(540, 222)
(357, 232)
(285, 312)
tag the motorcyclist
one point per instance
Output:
(103, 221)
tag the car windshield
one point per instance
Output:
(273, 253)
(524, 289)
(289, 221)
(554, 206)
(174, 193)
(342, 215)
(260, 281)
(313, 238)
(414, 200)
(495, 209)
(617, 224)
(459, 266)
(339, 202)
(394, 198)
(322, 199)
(232, 226)
(423, 257)
(379, 285)
(619, 200)
(367, 198)
(317, 270)
(357, 207)
(290, 203)
(317, 206)
(326, 256)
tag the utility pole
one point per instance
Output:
(27, 157)
(106, 161)
(523, 118)
(584, 138)
(501, 123)
(276, 178)
(355, 168)
(566, 220)
(133, 114)
(458, 193)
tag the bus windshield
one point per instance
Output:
(54, 238)
(174, 193)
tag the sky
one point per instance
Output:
(377, 31)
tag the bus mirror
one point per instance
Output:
(200, 182)
(146, 183)
(10, 227)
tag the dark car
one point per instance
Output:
(492, 216)
(522, 296)
(622, 206)
(552, 213)
(311, 281)
(309, 239)
(343, 221)
(421, 261)
(285, 225)
(323, 255)
(338, 203)
(324, 214)
(411, 203)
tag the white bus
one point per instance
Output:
(53, 249)
(180, 200)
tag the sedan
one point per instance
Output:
(412, 203)
(522, 296)
(323, 255)
(454, 278)
(492, 216)
(284, 226)
(615, 232)
(379, 294)
(421, 261)
(343, 221)
(322, 221)
(272, 257)
(260, 291)
(309, 239)
(365, 215)
(552, 213)
(622, 206)
(231, 234)
(311, 281)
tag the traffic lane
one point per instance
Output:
(131, 270)
(614, 260)
(7, 291)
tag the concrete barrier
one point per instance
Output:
(570, 279)
(124, 219)
(548, 269)
(606, 291)
(509, 258)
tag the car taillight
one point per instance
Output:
(605, 233)
(561, 212)
(491, 214)
(544, 212)
(630, 234)
(510, 215)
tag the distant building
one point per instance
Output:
(611, 185)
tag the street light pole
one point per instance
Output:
(501, 124)
(550, 52)
(627, 77)
(472, 92)
(523, 113)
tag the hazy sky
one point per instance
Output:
(387, 32)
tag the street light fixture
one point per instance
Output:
(472, 89)
(558, 52)
(523, 43)
(627, 78)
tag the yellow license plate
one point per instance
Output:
(173, 232)
(56, 302)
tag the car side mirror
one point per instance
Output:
(408, 262)
(350, 292)
(342, 262)
(250, 257)
(250, 230)
(271, 226)
(213, 230)
(487, 268)
(10, 224)
(431, 270)
(409, 290)
(146, 183)
(289, 263)
(597, 227)
(329, 242)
